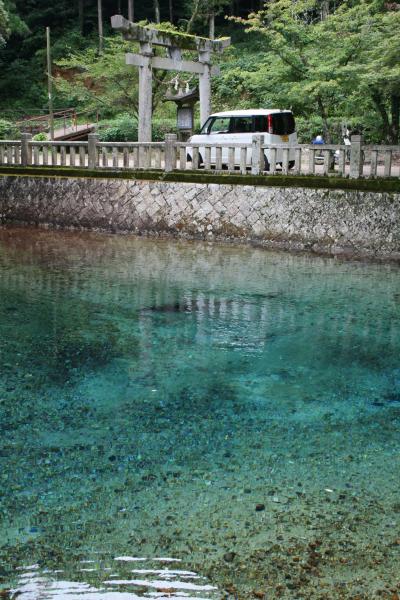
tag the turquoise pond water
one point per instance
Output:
(233, 409)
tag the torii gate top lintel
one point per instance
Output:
(158, 37)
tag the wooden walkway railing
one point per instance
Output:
(354, 161)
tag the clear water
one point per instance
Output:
(233, 409)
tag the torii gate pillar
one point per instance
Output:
(205, 86)
(145, 93)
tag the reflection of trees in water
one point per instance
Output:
(255, 298)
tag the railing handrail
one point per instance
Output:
(130, 144)
(52, 143)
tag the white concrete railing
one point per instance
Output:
(354, 161)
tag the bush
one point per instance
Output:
(8, 130)
(40, 137)
(124, 128)
(161, 127)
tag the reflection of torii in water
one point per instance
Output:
(174, 42)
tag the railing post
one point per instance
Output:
(26, 149)
(356, 157)
(257, 154)
(92, 150)
(170, 151)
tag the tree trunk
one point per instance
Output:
(377, 100)
(157, 11)
(211, 26)
(100, 22)
(131, 11)
(81, 15)
(324, 9)
(395, 125)
(171, 11)
(324, 117)
(193, 17)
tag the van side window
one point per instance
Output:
(241, 125)
(260, 124)
(220, 125)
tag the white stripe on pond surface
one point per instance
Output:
(34, 583)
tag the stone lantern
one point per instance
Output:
(185, 101)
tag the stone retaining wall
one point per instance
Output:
(358, 223)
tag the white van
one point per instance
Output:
(238, 127)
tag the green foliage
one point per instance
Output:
(40, 137)
(8, 130)
(161, 127)
(124, 128)
(4, 24)
(15, 23)
(341, 67)
(98, 82)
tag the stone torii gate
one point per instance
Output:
(174, 44)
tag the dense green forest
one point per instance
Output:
(333, 62)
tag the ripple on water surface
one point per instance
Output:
(234, 408)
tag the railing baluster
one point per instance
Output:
(82, 156)
(207, 157)
(311, 161)
(342, 162)
(9, 155)
(147, 157)
(196, 158)
(54, 155)
(115, 157)
(243, 161)
(218, 158)
(231, 159)
(272, 166)
(325, 169)
(285, 161)
(182, 157)
(72, 153)
(2, 157)
(387, 163)
(63, 156)
(126, 157)
(104, 157)
(45, 155)
(36, 160)
(135, 154)
(297, 161)
(17, 157)
(374, 163)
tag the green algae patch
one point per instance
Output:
(207, 177)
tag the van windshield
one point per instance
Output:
(206, 125)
